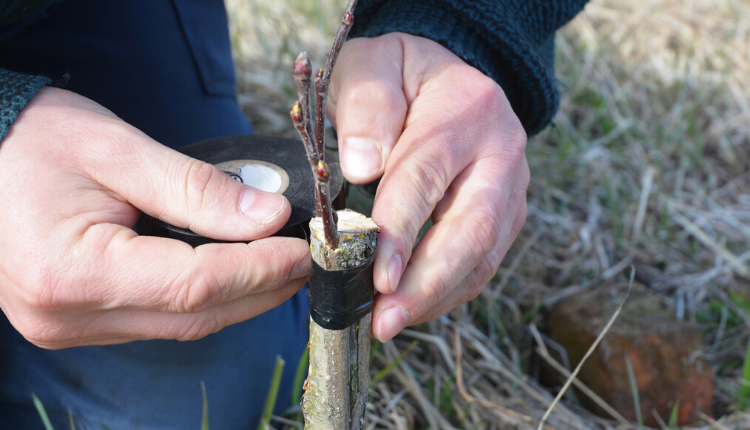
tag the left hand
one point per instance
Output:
(449, 146)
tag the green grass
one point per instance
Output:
(204, 420)
(42, 412)
(743, 398)
(634, 389)
(299, 376)
(273, 392)
(387, 369)
(673, 417)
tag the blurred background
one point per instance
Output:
(646, 166)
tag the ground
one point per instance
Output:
(646, 165)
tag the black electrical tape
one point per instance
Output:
(288, 154)
(340, 298)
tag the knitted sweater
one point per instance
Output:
(511, 41)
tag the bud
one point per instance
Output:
(302, 66)
(323, 172)
(320, 74)
(296, 113)
(348, 18)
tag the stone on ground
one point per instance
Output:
(666, 354)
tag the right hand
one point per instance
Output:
(73, 180)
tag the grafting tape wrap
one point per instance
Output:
(340, 298)
(287, 154)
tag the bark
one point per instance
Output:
(336, 390)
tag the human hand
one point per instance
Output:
(73, 272)
(449, 147)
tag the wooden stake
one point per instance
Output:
(336, 390)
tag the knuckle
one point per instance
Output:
(430, 179)
(524, 180)
(520, 220)
(199, 179)
(196, 293)
(515, 140)
(433, 291)
(476, 289)
(485, 271)
(481, 231)
(198, 328)
(40, 331)
(49, 290)
(375, 93)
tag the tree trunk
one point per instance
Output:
(336, 390)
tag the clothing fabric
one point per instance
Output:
(166, 68)
(16, 91)
(511, 41)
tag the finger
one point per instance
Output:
(431, 153)
(367, 105)
(473, 285)
(163, 275)
(180, 190)
(408, 194)
(197, 326)
(127, 325)
(455, 247)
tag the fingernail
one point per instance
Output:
(260, 206)
(392, 321)
(395, 266)
(361, 157)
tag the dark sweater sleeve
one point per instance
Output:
(511, 41)
(16, 91)
(12, 11)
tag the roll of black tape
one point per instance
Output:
(340, 298)
(272, 164)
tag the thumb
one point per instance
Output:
(185, 192)
(367, 105)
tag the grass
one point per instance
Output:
(634, 390)
(42, 412)
(273, 392)
(204, 418)
(743, 398)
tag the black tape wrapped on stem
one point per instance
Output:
(340, 298)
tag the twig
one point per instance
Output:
(323, 79)
(590, 351)
(301, 114)
(315, 142)
(322, 174)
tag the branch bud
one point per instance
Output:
(296, 113)
(323, 172)
(302, 66)
(348, 18)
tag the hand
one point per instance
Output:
(450, 147)
(73, 272)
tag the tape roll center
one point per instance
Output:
(258, 174)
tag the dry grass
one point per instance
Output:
(648, 165)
